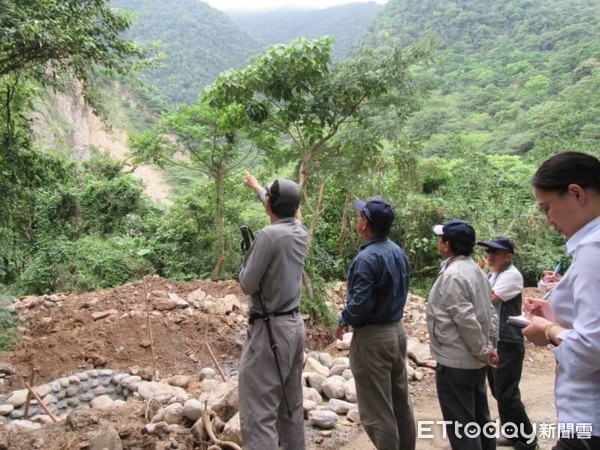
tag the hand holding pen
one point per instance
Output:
(551, 278)
(541, 306)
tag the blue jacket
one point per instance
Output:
(377, 284)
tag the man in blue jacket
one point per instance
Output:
(377, 291)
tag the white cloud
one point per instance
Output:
(263, 5)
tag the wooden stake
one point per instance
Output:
(154, 377)
(212, 355)
(28, 399)
(41, 403)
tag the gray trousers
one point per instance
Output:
(378, 362)
(263, 414)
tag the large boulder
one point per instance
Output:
(105, 437)
(344, 343)
(316, 380)
(233, 430)
(340, 406)
(308, 406)
(350, 391)
(323, 419)
(161, 392)
(418, 352)
(174, 414)
(193, 409)
(325, 359)
(312, 365)
(225, 399)
(311, 394)
(333, 387)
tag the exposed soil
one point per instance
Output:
(60, 340)
(87, 131)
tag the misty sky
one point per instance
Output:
(262, 5)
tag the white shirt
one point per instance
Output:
(575, 303)
(507, 284)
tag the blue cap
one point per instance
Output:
(499, 243)
(456, 230)
(377, 211)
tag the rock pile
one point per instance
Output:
(93, 388)
(161, 303)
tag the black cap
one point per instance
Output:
(456, 230)
(377, 211)
(499, 243)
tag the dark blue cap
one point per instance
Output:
(456, 230)
(377, 211)
(499, 243)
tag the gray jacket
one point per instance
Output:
(274, 264)
(461, 320)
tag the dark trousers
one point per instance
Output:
(504, 384)
(578, 444)
(463, 400)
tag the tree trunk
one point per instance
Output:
(316, 213)
(345, 226)
(302, 180)
(216, 273)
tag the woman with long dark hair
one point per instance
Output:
(567, 189)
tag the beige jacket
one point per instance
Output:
(460, 318)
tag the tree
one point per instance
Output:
(217, 141)
(76, 36)
(47, 43)
(297, 92)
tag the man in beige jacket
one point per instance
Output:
(462, 327)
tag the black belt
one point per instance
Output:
(257, 316)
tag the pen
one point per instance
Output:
(558, 269)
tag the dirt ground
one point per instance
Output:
(537, 390)
(60, 338)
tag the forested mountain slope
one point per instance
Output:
(510, 76)
(345, 23)
(198, 41)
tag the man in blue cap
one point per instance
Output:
(462, 328)
(377, 291)
(507, 289)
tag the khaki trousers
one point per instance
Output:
(263, 414)
(378, 362)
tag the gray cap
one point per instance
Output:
(283, 191)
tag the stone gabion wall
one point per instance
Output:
(63, 395)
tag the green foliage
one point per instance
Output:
(87, 264)
(59, 246)
(519, 71)
(105, 204)
(512, 78)
(344, 23)
(198, 42)
(217, 140)
(8, 329)
(75, 38)
(184, 248)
